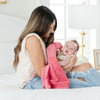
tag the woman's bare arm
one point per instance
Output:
(36, 55)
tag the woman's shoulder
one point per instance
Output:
(32, 40)
(33, 36)
(29, 40)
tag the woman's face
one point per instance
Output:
(51, 29)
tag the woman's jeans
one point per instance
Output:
(91, 76)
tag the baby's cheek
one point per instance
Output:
(71, 52)
(74, 52)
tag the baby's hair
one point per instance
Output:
(76, 43)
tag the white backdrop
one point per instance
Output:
(21, 8)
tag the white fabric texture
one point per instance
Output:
(10, 29)
(25, 70)
(10, 91)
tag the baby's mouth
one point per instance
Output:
(66, 51)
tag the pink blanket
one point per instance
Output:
(53, 75)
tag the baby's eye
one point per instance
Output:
(71, 48)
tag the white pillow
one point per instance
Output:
(10, 29)
(6, 57)
(81, 59)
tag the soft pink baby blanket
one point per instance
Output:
(53, 75)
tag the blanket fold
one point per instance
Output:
(53, 75)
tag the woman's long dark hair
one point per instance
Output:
(39, 23)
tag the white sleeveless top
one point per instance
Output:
(25, 70)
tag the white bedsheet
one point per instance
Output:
(10, 91)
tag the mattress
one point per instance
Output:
(9, 91)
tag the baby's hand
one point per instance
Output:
(57, 51)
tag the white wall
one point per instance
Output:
(98, 32)
(98, 39)
(11, 28)
(21, 8)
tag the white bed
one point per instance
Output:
(10, 29)
(10, 91)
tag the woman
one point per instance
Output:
(30, 52)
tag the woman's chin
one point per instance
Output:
(47, 36)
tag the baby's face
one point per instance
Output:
(69, 48)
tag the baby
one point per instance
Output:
(66, 55)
